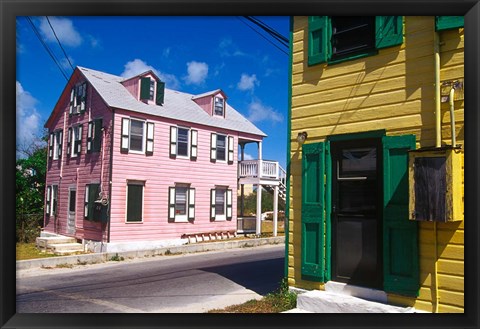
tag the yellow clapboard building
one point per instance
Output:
(376, 134)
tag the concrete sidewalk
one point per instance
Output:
(95, 258)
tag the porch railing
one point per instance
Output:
(260, 169)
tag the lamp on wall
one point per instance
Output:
(302, 137)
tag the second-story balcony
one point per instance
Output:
(260, 170)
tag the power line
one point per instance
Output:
(52, 55)
(55, 34)
(283, 51)
(269, 30)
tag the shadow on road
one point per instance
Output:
(262, 276)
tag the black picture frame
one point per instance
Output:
(9, 10)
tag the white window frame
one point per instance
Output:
(189, 204)
(152, 89)
(144, 133)
(57, 144)
(226, 148)
(139, 183)
(188, 142)
(227, 204)
(182, 218)
(76, 150)
(215, 107)
(54, 200)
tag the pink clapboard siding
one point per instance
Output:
(206, 103)
(159, 172)
(68, 172)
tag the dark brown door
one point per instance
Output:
(356, 219)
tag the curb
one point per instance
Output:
(175, 250)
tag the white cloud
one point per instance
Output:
(28, 119)
(197, 72)
(64, 29)
(138, 66)
(259, 112)
(228, 49)
(248, 82)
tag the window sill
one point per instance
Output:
(134, 222)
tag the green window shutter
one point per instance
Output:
(91, 194)
(388, 31)
(313, 255)
(145, 88)
(318, 39)
(160, 93)
(97, 135)
(400, 236)
(448, 22)
(134, 203)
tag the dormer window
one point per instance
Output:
(152, 89)
(219, 105)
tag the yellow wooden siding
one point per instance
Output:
(393, 90)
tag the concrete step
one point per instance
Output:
(57, 247)
(67, 252)
(44, 242)
(328, 302)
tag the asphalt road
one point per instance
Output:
(189, 283)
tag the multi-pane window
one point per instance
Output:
(221, 146)
(335, 38)
(219, 106)
(135, 201)
(51, 200)
(182, 142)
(78, 97)
(94, 136)
(74, 143)
(137, 136)
(152, 89)
(221, 203)
(181, 203)
(55, 144)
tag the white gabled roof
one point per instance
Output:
(177, 105)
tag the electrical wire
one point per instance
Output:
(283, 51)
(55, 34)
(269, 30)
(49, 51)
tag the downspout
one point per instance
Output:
(438, 143)
(110, 174)
(438, 119)
(452, 116)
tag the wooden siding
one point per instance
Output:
(68, 172)
(159, 172)
(393, 90)
(206, 103)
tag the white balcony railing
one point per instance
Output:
(261, 169)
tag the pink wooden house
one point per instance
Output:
(131, 162)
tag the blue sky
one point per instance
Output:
(191, 54)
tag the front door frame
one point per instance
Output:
(328, 188)
(71, 215)
(335, 151)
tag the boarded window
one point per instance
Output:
(430, 188)
(134, 202)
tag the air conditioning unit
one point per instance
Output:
(436, 180)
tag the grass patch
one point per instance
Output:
(117, 258)
(29, 251)
(276, 302)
